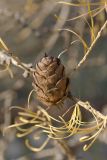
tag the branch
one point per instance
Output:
(67, 150)
(8, 58)
(92, 45)
(87, 106)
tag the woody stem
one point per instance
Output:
(66, 149)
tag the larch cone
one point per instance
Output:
(50, 81)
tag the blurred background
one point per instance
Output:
(30, 28)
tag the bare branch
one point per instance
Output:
(8, 58)
(92, 45)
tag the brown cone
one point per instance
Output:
(50, 82)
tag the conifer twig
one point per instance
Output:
(8, 59)
(66, 149)
(92, 45)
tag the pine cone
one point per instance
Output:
(50, 82)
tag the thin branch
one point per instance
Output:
(88, 107)
(92, 45)
(8, 58)
(67, 150)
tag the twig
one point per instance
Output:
(8, 58)
(67, 150)
(92, 45)
(88, 107)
